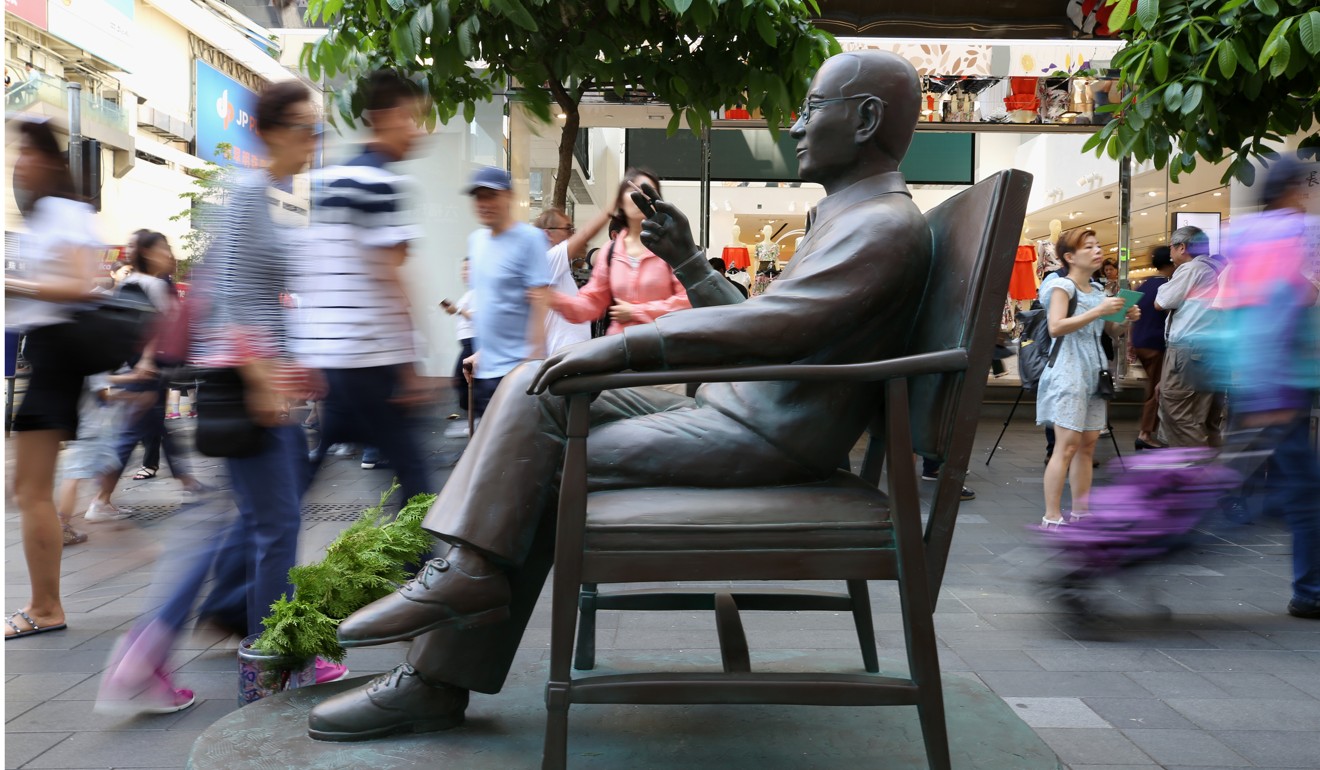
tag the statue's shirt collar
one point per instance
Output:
(870, 187)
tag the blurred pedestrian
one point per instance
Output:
(717, 264)
(240, 328)
(1188, 413)
(566, 243)
(356, 319)
(628, 280)
(509, 279)
(92, 455)
(59, 273)
(119, 272)
(153, 264)
(1148, 346)
(465, 333)
(1269, 311)
(1107, 276)
(1067, 397)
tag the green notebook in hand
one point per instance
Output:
(1129, 298)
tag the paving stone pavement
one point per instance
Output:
(1227, 680)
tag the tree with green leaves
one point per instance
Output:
(207, 190)
(1213, 79)
(695, 55)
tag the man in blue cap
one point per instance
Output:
(509, 280)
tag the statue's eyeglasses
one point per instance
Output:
(811, 105)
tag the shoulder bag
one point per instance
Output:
(224, 427)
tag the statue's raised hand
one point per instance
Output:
(665, 231)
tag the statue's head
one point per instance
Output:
(858, 118)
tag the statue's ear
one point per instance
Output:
(870, 116)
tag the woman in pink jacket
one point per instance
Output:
(636, 285)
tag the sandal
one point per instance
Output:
(71, 535)
(32, 628)
(144, 473)
(1046, 523)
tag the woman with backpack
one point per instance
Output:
(1069, 396)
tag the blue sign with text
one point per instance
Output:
(226, 115)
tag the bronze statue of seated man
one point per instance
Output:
(849, 295)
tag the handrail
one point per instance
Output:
(875, 371)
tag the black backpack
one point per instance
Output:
(1036, 349)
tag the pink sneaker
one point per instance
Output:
(161, 696)
(329, 672)
(158, 696)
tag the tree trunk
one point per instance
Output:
(567, 142)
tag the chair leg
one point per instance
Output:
(924, 663)
(861, 610)
(585, 659)
(554, 754)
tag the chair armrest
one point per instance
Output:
(876, 371)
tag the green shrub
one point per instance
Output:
(363, 564)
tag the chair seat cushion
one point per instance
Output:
(840, 512)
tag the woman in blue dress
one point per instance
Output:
(1066, 396)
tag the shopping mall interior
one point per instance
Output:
(988, 107)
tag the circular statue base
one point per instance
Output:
(505, 731)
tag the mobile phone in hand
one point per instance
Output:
(446, 304)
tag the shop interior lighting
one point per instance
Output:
(1153, 194)
(1182, 205)
(1143, 213)
(1217, 194)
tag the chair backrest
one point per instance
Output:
(974, 236)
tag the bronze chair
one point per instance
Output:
(859, 534)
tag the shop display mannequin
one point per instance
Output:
(767, 251)
(1024, 284)
(850, 296)
(737, 253)
(1047, 261)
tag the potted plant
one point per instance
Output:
(364, 563)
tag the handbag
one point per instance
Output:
(1105, 387)
(108, 333)
(224, 427)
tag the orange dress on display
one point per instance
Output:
(1022, 286)
(737, 256)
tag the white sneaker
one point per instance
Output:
(457, 430)
(99, 511)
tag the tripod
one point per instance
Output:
(1009, 419)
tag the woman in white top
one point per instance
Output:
(1066, 396)
(153, 266)
(57, 252)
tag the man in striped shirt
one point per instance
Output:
(356, 324)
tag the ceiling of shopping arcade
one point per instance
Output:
(1155, 201)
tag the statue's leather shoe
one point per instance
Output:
(461, 588)
(397, 702)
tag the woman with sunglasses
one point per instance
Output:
(241, 324)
